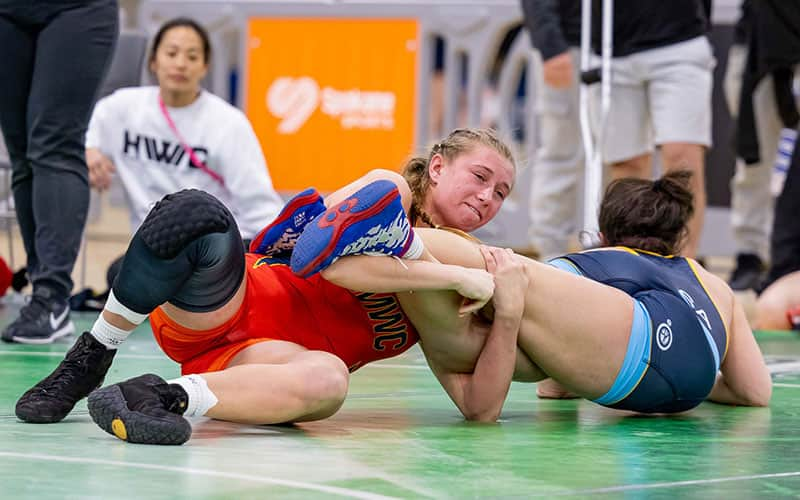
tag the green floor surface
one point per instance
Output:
(398, 435)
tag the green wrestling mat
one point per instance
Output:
(398, 435)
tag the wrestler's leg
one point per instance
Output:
(277, 240)
(275, 381)
(188, 251)
(373, 175)
(266, 383)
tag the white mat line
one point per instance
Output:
(401, 367)
(54, 354)
(784, 367)
(334, 490)
(650, 486)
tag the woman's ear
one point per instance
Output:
(435, 167)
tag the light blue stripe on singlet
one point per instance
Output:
(636, 360)
(565, 265)
(711, 343)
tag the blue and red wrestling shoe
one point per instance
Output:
(277, 240)
(370, 222)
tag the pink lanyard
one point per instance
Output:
(192, 157)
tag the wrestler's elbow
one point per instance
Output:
(760, 396)
(486, 415)
(758, 391)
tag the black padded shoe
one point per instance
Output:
(145, 410)
(42, 320)
(748, 273)
(80, 372)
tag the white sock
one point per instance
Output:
(113, 305)
(201, 399)
(108, 334)
(416, 247)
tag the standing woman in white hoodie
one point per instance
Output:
(161, 139)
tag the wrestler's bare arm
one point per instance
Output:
(451, 248)
(381, 274)
(744, 378)
(480, 395)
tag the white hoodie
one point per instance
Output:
(129, 127)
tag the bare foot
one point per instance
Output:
(550, 389)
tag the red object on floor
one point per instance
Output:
(5, 277)
(793, 315)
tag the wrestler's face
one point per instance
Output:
(467, 191)
(180, 63)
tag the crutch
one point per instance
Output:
(593, 140)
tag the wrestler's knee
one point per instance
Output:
(326, 381)
(188, 251)
(180, 218)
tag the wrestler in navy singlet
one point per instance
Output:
(678, 338)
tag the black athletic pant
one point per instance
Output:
(785, 242)
(54, 57)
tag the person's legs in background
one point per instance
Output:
(628, 147)
(683, 156)
(72, 50)
(557, 168)
(785, 240)
(17, 52)
(680, 80)
(782, 286)
(751, 200)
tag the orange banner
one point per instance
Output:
(331, 98)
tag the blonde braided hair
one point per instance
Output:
(460, 140)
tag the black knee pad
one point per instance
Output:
(180, 218)
(188, 252)
(217, 261)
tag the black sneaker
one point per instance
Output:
(81, 371)
(145, 410)
(41, 321)
(748, 273)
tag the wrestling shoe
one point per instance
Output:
(748, 273)
(278, 239)
(370, 222)
(43, 320)
(145, 410)
(80, 372)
